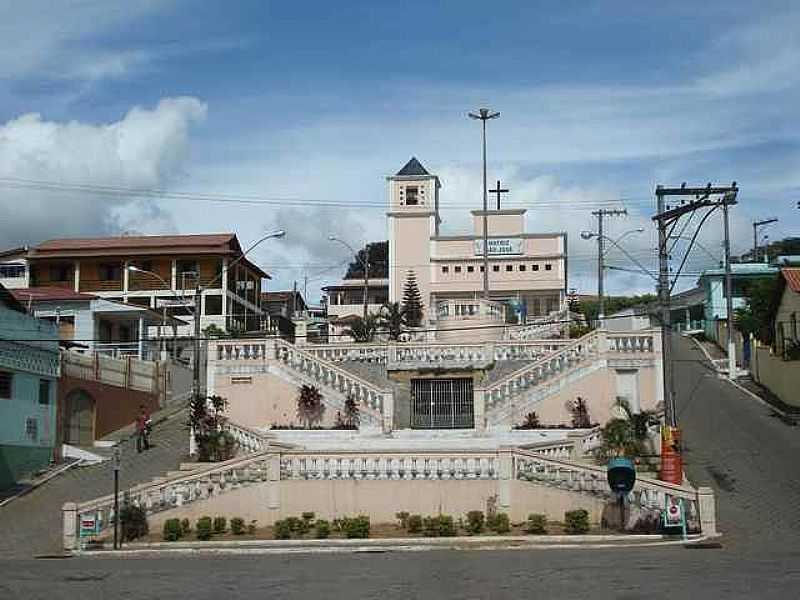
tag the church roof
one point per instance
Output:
(413, 167)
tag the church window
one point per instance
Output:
(535, 267)
(522, 267)
(470, 269)
(548, 267)
(411, 196)
(496, 268)
(458, 269)
(445, 269)
(509, 268)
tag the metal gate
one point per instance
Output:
(442, 404)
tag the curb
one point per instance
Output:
(345, 546)
(786, 417)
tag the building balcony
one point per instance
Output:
(101, 285)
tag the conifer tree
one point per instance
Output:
(412, 300)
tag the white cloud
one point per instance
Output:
(145, 149)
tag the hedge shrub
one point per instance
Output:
(322, 529)
(475, 522)
(172, 530)
(203, 528)
(576, 521)
(414, 523)
(536, 524)
(220, 524)
(237, 526)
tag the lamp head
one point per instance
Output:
(134, 269)
(587, 235)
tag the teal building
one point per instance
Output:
(29, 368)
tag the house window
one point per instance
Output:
(241, 380)
(212, 305)
(522, 267)
(110, 272)
(6, 380)
(411, 196)
(470, 269)
(44, 391)
(509, 268)
(458, 269)
(535, 267)
(548, 267)
(32, 428)
(496, 268)
(60, 273)
(445, 269)
(12, 271)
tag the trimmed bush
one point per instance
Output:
(441, 526)
(251, 527)
(308, 516)
(536, 524)
(220, 524)
(414, 523)
(133, 522)
(203, 528)
(403, 518)
(322, 529)
(357, 527)
(282, 530)
(297, 525)
(172, 530)
(475, 522)
(576, 521)
(237, 526)
(500, 523)
(186, 527)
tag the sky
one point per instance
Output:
(254, 116)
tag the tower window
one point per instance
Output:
(535, 267)
(411, 196)
(548, 267)
(470, 269)
(445, 269)
(522, 267)
(458, 269)
(509, 268)
(496, 268)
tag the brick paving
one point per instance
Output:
(32, 524)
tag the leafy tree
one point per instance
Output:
(309, 405)
(363, 330)
(531, 421)
(756, 317)
(591, 308)
(392, 318)
(412, 300)
(378, 262)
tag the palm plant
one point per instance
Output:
(363, 330)
(392, 318)
(309, 405)
(625, 436)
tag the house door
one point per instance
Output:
(442, 404)
(79, 419)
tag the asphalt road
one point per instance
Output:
(732, 443)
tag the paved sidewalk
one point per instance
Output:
(32, 524)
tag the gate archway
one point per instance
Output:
(78, 425)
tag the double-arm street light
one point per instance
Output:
(587, 235)
(364, 265)
(483, 115)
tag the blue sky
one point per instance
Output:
(321, 100)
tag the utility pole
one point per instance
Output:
(729, 199)
(666, 219)
(116, 497)
(366, 278)
(484, 114)
(756, 225)
(601, 250)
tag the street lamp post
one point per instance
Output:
(198, 294)
(364, 264)
(173, 293)
(116, 497)
(483, 115)
(601, 237)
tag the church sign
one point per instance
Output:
(500, 246)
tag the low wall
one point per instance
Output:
(381, 500)
(780, 376)
(114, 407)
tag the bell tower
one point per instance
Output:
(413, 217)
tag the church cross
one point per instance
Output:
(498, 190)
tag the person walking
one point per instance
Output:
(143, 430)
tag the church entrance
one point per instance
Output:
(442, 404)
